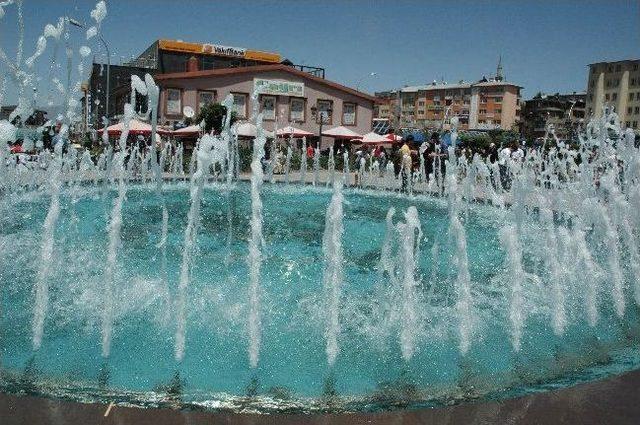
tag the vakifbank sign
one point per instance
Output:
(278, 87)
(218, 50)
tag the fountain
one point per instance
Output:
(199, 290)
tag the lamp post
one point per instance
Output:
(78, 24)
(371, 74)
(320, 116)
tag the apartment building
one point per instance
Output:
(486, 104)
(617, 85)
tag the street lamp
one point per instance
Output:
(371, 74)
(322, 117)
(78, 24)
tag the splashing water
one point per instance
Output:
(333, 275)
(254, 257)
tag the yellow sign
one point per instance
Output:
(218, 50)
(262, 56)
(180, 46)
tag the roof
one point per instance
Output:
(263, 68)
(495, 83)
(444, 86)
(612, 62)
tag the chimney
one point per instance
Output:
(192, 64)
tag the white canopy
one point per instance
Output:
(341, 132)
(135, 127)
(372, 138)
(247, 129)
(293, 132)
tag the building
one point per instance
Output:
(615, 84)
(566, 112)
(386, 106)
(165, 57)
(486, 104)
(286, 94)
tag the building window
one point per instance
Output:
(635, 124)
(630, 96)
(618, 68)
(482, 111)
(627, 124)
(323, 111)
(636, 110)
(635, 66)
(206, 98)
(614, 96)
(591, 97)
(421, 103)
(208, 63)
(629, 110)
(498, 100)
(296, 109)
(606, 97)
(633, 81)
(268, 107)
(349, 113)
(240, 105)
(483, 100)
(498, 111)
(174, 102)
(638, 95)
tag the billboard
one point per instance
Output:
(278, 87)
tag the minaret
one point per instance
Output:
(499, 76)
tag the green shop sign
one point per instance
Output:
(278, 87)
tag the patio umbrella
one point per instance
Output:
(293, 132)
(341, 132)
(190, 131)
(372, 139)
(247, 129)
(393, 137)
(135, 127)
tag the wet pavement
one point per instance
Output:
(612, 401)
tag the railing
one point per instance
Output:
(313, 70)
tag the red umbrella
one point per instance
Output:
(17, 149)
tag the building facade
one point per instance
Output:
(487, 104)
(565, 112)
(286, 95)
(164, 57)
(617, 85)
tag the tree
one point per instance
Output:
(213, 116)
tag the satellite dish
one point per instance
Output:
(188, 111)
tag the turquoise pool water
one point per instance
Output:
(292, 373)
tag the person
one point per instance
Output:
(405, 158)
(310, 151)
(493, 153)
(383, 160)
(503, 163)
(518, 153)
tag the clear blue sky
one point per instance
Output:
(545, 45)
